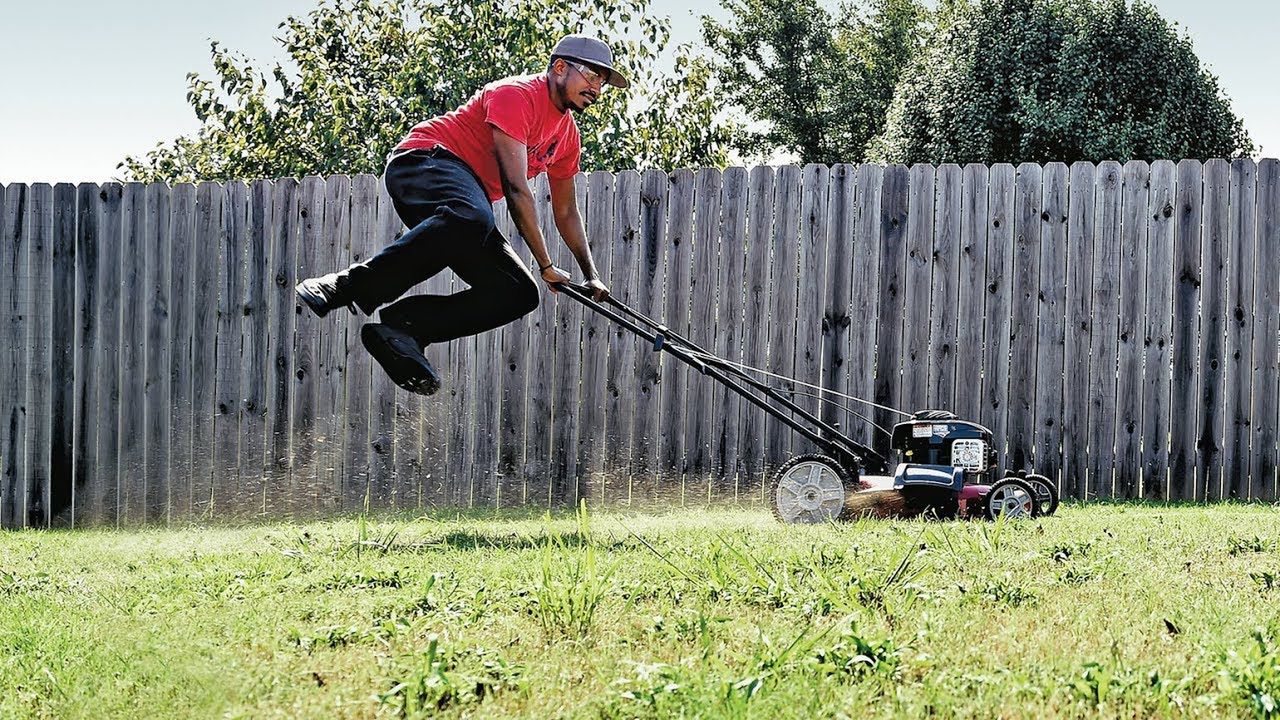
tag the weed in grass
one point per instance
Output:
(651, 689)
(853, 656)
(572, 584)
(1076, 575)
(1267, 581)
(1238, 545)
(1004, 591)
(362, 579)
(12, 583)
(1255, 674)
(439, 679)
(1062, 552)
(330, 637)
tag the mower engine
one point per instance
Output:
(937, 437)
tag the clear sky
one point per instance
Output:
(83, 83)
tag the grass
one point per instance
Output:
(1101, 611)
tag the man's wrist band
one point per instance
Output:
(544, 267)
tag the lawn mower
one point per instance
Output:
(948, 464)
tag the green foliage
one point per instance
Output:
(816, 84)
(360, 73)
(1057, 80)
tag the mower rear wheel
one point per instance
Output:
(810, 489)
(1046, 493)
(1012, 497)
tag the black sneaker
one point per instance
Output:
(324, 293)
(401, 357)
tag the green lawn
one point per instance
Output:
(1104, 610)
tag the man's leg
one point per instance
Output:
(441, 202)
(502, 290)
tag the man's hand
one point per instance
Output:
(598, 290)
(554, 275)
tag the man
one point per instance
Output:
(442, 179)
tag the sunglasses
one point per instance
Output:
(593, 77)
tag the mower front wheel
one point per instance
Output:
(1013, 498)
(810, 489)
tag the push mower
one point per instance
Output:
(948, 464)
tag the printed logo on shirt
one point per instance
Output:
(540, 157)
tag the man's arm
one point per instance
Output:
(564, 203)
(513, 166)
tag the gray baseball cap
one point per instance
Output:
(590, 50)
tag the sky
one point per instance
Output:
(84, 83)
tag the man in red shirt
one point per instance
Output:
(443, 179)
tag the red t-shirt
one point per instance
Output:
(519, 106)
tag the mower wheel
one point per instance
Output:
(810, 489)
(1012, 497)
(1046, 493)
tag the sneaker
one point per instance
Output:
(401, 357)
(324, 293)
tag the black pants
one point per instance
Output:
(451, 224)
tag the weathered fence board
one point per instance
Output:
(1157, 337)
(87, 371)
(595, 342)
(651, 279)
(542, 363)
(133, 255)
(62, 320)
(383, 440)
(727, 404)
(209, 241)
(916, 284)
(358, 378)
(971, 307)
(159, 366)
(944, 264)
(105, 495)
(282, 317)
(253, 354)
(309, 426)
(1238, 379)
(1103, 340)
(760, 201)
(783, 300)
(566, 480)
(333, 478)
(836, 318)
(38, 301)
(1266, 328)
(13, 340)
(811, 290)
(999, 281)
(1185, 405)
(226, 422)
(1079, 308)
(1028, 207)
(181, 370)
(864, 301)
(621, 389)
(679, 256)
(892, 242)
(158, 389)
(1051, 328)
(703, 293)
(1213, 268)
(1133, 259)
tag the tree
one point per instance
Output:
(1057, 80)
(815, 84)
(365, 71)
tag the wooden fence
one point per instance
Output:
(1116, 326)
